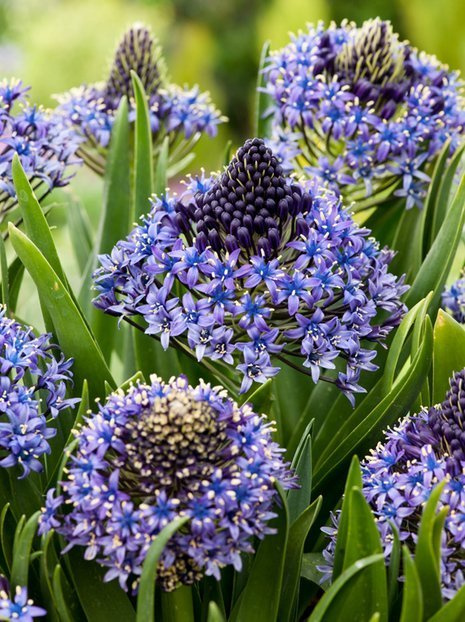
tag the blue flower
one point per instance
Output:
(19, 607)
(453, 300)
(172, 451)
(399, 475)
(182, 113)
(271, 260)
(45, 146)
(33, 385)
(349, 104)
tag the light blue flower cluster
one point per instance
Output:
(400, 474)
(248, 268)
(45, 146)
(362, 110)
(161, 451)
(182, 113)
(32, 391)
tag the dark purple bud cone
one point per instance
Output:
(137, 51)
(251, 206)
(373, 60)
(448, 422)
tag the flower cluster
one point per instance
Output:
(248, 266)
(161, 451)
(45, 146)
(453, 300)
(182, 113)
(20, 608)
(32, 390)
(400, 474)
(362, 110)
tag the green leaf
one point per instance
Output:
(443, 196)
(5, 275)
(6, 532)
(60, 600)
(177, 606)
(15, 278)
(448, 353)
(100, 601)
(34, 220)
(428, 552)
(115, 219)
(214, 613)
(298, 532)
(259, 600)
(354, 479)
(262, 124)
(332, 603)
(412, 600)
(80, 232)
(261, 398)
(161, 177)
(369, 592)
(72, 332)
(435, 268)
(364, 435)
(146, 593)
(299, 498)
(309, 569)
(143, 182)
(394, 568)
(22, 551)
(453, 611)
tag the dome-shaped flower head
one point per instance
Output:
(182, 113)
(161, 451)
(399, 475)
(249, 268)
(43, 143)
(19, 608)
(362, 110)
(453, 300)
(33, 385)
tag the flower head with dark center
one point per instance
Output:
(44, 144)
(182, 113)
(167, 450)
(28, 369)
(273, 262)
(358, 107)
(399, 475)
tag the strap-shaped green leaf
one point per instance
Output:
(143, 150)
(299, 498)
(161, 169)
(435, 268)
(60, 600)
(72, 332)
(354, 479)
(146, 592)
(214, 613)
(115, 219)
(22, 551)
(262, 124)
(428, 553)
(298, 532)
(259, 600)
(368, 431)
(448, 353)
(412, 597)
(369, 593)
(331, 607)
(100, 601)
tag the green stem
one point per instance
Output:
(177, 606)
